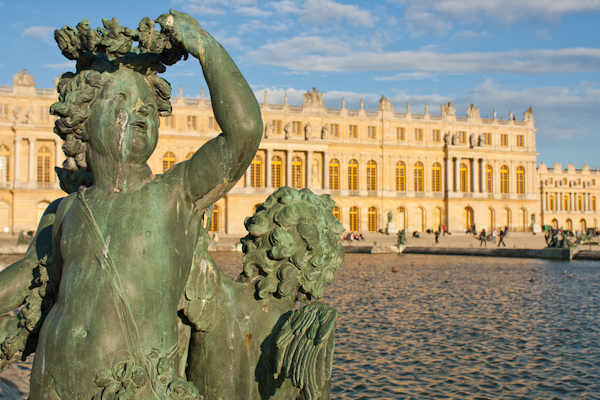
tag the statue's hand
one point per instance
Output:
(186, 31)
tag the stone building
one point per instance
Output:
(426, 169)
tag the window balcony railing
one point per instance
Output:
(353, 193)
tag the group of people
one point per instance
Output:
(353, 236)
(492, 236)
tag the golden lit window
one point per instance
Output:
(436, 178)
(334, 174)
(169, 122)
(437, 218)
(504, 179)
(520, 180)
(256, 172)
(462, 137)
(371, 132)
(372, 219)
(489, 179)
(579, 203)
(214, 220)
(44, 114)
(297, 173)
(504, 139)
(400, 134)
(353, 131)
(487, 138)
(168, 161)
(520, 141)
(463, 178)
(353, 175)
(212, 124)
(43, 165)
(419, 220)
(353, 219)
(436, 136)
(335, 130)
(296, 128)
(551, 202)
(401, 218)
(192, 122)
(337, 213)
(418, 176)
(3, 112)
(418, 134)
(4, 164)
(371, 175)
(593, 205)
(276, 165)
(277, 126)
(400, 176)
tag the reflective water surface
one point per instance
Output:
(448, 327)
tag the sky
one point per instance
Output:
(502, 54)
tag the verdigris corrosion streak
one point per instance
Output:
(121, 299)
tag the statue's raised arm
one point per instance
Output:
(222, 161)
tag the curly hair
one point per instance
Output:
(293, 245)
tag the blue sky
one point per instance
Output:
(503, 54)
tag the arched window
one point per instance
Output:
(566, 202)
(353, 175)
(505, 221)
(520, 180)
(554, 224)
(583, 225)
(4, 217)
(463, 178)
(353, 219)
(491, 218)
(337, 213)
(401, 218)
(43, 165)
(551, 202)
(372, 220)
(593, 205)
(334, 174)
(4, 164)
(189, 155)
(467, 218)
(436, 178)
(297, 172)
(256, 172)
(419, 220)
(489, 179)
(372, 176)
(504, 179)
(168, 161)
(276, 172)
(418, 176)
(41, 208)
(400, 176)
(437, 218)
(579, 203)
(569, 224)
(522, 219)
(214, 220)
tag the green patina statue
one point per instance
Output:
(402, 238)
(121, 298)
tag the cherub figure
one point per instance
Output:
(122, 248)
(246, 331)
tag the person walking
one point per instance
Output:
(444, 229)
(494, 234)
(482, 238)
(437, 237)
(216, 238)
(501, 241)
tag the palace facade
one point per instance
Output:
(428, 170)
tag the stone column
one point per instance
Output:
(559, 206)
(585, 207)
(547, 201)
(512, 179)
(475, 173)
(17, 169)
(309, 169)
(570, 201)
(31, 177)
(448, 174)
(269, 168)
(288, 168)
(457, 175)
(326, 170)
(59, 154)
(482, 176)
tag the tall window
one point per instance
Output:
(277, 126)
(436, 137)
(551, 202)
(169, 122)
(372, 219)
(189, 155)
(583, 225)
(372, 132)
(579, 203)
(520, 141)
(489, 179)
(3, 112)
(419, 221)
(569, 224)
(504, 139)
(371, 175)
(334, 174)
(214, 220)
(401, 218)
(337, 213)
(276, 172)
(464, 187)
(192, 122)
(4, 217)
(4, 164)
(505, 221)
(418, 176)
(400, 176)
(212, 124)
(353, 219)
(353, 131)
(418, 134)
(504, 179)
(335, 130)
(436, 177)
(256, 172)
(467, 218)
(462, 137)
(566, 203)
(593, 205)
(296, 128)
(43, 165)
(521, 216)
(437, 218)
(554, 223)
(487, 138)
(297, 172)
(491, 218)
(168, 161)
(353, 175)
(520, 180)
(44, 114)
(400, 134)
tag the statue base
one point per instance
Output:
(401, 247)
(537, 228)
(559, 253)
(391, 229)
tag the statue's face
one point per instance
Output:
(124, 119)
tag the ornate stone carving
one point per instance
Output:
(269, 129)
(385, 104)
(473, 140)
(23, 79)
(448, 109)
(528, 115)
(308, 131)
(557, 167)
(473, 112)
(287, 129)
(313, 99)
(29, 117)
(325, 132)
(448, 138)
